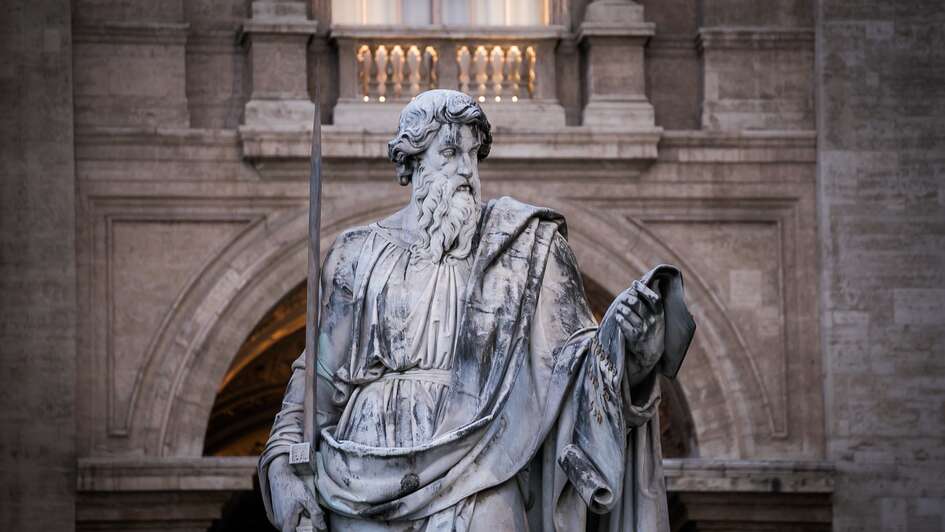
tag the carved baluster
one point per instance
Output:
(481, 65)
(531, 60)
(431, 59)
(413, 68)
(365, 62)
(397, 66)
(514, 62)
(380, 59)
(462, 61)
(497, 60)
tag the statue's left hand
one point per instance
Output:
(638, 313)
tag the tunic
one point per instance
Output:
(413, 309)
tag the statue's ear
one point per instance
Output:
(404, 180)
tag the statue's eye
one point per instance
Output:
(448, 152)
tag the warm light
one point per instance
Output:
(498, 98)
(514, 98)
(482, 98)
(381, 99)
(367, 99)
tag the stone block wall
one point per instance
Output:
(129, 229)
(881, 75)
(37, 268)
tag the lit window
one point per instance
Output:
(441, 12)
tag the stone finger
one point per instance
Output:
(651, 298)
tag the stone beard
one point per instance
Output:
(461, 376)
(448, 208)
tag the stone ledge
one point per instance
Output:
(755, 38)
(747, 146)
(187, 494)
(132, 33)
(515, 33)
(568, 143)
(217, 473)
(748, 476)
(165, 474)
(672, 45)
(279, 27)
(642, 30)
(149, 144)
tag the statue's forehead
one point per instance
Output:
(454, 133)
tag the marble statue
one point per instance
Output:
(462, 381)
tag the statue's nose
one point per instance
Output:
(465, 169)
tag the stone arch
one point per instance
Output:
(218, 310)
(719, 379)
(249, 277)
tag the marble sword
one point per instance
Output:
(302, 455)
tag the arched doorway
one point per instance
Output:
(251, 394)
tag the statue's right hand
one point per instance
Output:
(291, 497)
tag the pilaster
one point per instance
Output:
(277, 37)
(612, 38)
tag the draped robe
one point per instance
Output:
(528, 384)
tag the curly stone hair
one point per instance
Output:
(422, 118)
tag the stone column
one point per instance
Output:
(277, 36)
(612, 38)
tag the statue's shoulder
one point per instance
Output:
(343, 254)
(510, 212)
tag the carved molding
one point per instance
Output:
(788, 146)
(580, 143)
(755, 38)
(103, 214)
(152, 33)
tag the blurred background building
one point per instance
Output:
(788, 155)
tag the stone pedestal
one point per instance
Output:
(612, 38)
(277, 37)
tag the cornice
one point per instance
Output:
(754, 38)
(569, 143)
(747, 146)
(749, 476)
(131, 33)
(503, 33)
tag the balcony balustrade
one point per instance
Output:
(381, 68)
(488, 72)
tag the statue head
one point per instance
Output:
(443, 134)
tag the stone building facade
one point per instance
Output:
(788, 155)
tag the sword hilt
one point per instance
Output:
(305, 525)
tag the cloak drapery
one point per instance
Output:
(529, 380)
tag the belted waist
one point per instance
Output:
(438, 376)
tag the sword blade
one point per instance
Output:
(309, 428)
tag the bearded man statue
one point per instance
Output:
(463, 383)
